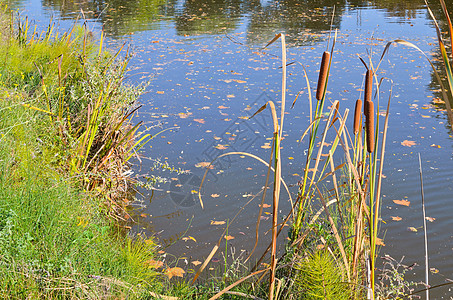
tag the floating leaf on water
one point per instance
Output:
(184, 115)
(408, 143)
(204, 164)
(438, 101)
(413, 229)
(221, 147)
(324, 144)
(402, 202)
(222, 107)
(196, 263)
(396, 219)
(217, 222)
(430, 219)
(176, 271)
(201, 121)
(266, 205)
(215, 195)
(160, 92)
(229, 237)
(188, 238)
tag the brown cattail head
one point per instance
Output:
(369, 125)
(323, 75)
(337, 109)
(368, 85)
(357, 116)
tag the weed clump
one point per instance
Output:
(319, 277)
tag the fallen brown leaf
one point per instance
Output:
(217, 222)
(155, 264)
(380, 242)
(408, 143)
(176, 271)
(196, 263)
(402, 202)
(221, 147)
(229, 237)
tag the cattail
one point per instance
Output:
(337, 109)
(369, 125)
(357, 115)
(368, 85)
(323, 75)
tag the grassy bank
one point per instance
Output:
(64, 142)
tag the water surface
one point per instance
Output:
(209, 72)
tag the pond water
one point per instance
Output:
(208, 72)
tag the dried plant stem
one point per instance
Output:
(424, 227)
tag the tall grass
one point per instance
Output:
(64, 143)
(79, 89)
(55, 242)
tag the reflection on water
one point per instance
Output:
(211, 73)
(192, 17)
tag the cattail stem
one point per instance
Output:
(323, 75)
(368, 85)
(369, 125)
(357, 116)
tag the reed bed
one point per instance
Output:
(345, 226)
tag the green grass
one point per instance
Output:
(58, 171)
(54, 241)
